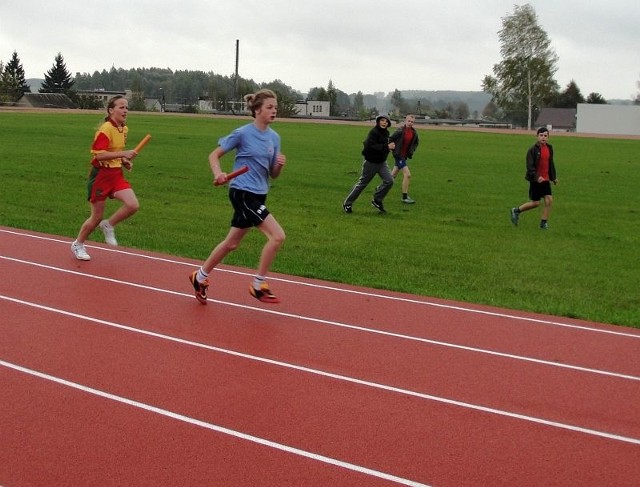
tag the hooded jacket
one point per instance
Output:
(376, 145)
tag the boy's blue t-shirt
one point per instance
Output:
(256, 149)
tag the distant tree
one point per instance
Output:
(4, 98)
(570, 97)
(523, 80)
(490, 111)
(361, 111)
(343, 104)
(460, 110)
(87, 102)
(422, 107)
(444, 112)
(637, 100)
(286, 104)
(596, 99)
(358, 101)
(284, 90)
(318, 94)
(398, 103)
(332, 93)
(14, 83)
(137, 96)
(57, 79)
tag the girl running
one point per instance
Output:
(106, 179)
(257, 146)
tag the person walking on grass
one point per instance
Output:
(541, 171)
(375, 152)
(106, 179)
(257, 146)
(406, 141)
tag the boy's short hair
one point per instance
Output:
(541, 130)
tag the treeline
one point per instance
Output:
(177, 87)
(186, 88)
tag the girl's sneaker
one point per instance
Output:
(79, 251)
(109, 234)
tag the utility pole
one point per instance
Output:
(235, 85)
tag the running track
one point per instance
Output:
(111, 373)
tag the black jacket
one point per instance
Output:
(533, 159)
(398, 138)
(376, 145)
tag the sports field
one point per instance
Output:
(456, 242)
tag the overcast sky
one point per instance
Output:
(360, 45)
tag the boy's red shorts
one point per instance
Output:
(104, 182)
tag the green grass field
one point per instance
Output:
(457, 242)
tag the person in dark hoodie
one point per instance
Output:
(375, 151)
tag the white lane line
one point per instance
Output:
(342, 325)
(339, 377)
(213, 427)
(349, 291)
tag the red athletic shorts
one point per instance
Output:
(104, 182)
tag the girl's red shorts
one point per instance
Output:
(104, 182)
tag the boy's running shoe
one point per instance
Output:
(347, 208)
(544, 225)
(263, 294)
(109, 234)
(79, 251)
(378, 205)
(408, 200)
(199, 287)
(515, 214)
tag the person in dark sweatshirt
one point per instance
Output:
(375, 151)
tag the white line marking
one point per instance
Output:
(213, 427)
(348, 291)
(340, 325)
(339, 377)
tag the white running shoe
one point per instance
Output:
(109, 234)
(79, 251)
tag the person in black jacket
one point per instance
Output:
(541, 171)
(375, 151)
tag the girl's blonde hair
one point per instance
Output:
(256, 100)
(112, 103)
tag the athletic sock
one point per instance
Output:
(405, 195)
(202, 275)
(257, 282)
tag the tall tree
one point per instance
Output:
(318, 93)
(332, 93)
(57, 79)
(14, 81)
(4, 98)
(570, 97)
(137, 95)
(523, 81)
(596, 99)
(398, 103)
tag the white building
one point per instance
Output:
(313, 108)
(608, 119)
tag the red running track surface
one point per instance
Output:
(111, 373)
